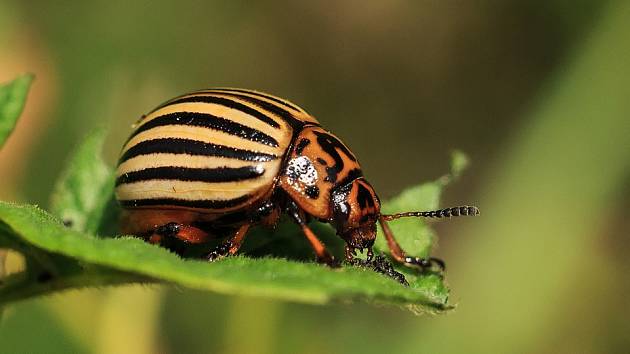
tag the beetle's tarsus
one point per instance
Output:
(381, 265)
(221, 251)
(349, 252)
(329, 261)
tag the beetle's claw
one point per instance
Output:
(214, 256)
(350, 253)
(329, 260)
(221, 251)
(425, 263)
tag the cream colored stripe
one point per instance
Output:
(203, 135)
(220, 111)
(191, 190)
(180, 160)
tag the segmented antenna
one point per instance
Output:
(441, 213)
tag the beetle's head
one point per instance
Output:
(356, 209)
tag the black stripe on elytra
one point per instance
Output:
(210, 175)
(206, 120)
(193, 147)
(201, 203)
(223, 102)
(364, 197)
(260, 94)
(287, 116)
(336, 143)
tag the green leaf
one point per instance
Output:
(129, 259)
(12, 98)
(85, 188)
(275, 264)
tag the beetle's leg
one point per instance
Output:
(186, 233)
(231, 246)
(399, 254)
(267, 214)
(323, 256)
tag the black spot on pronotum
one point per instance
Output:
(312, 192)
(341, 208)
(322, 161)
(301, 145)
(330, 144)
(364, 197)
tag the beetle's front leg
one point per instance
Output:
(399, 254)
(323, 256)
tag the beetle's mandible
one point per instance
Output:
(226, 159)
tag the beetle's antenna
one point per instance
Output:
(441, 213)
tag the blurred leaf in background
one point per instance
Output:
(84, 190)
(12, 98)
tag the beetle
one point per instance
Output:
(221, 160)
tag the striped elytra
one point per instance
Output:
(213, 150)
(213, 163)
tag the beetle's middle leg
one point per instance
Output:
(231, 246)
(399, 254)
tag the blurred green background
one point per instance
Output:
(536, 92)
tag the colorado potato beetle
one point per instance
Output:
(218, 161)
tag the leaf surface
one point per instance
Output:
(270, 277)
(63, 249)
